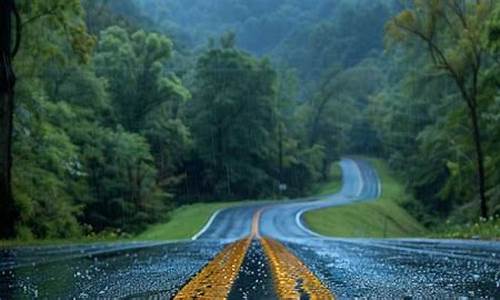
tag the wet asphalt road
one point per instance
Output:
(102, 271)
(366, 268)
(404, 269)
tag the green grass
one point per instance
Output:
(333, 185)
(482, 229)
(382, 218)
(184, 223)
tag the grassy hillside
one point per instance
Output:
(184, 223)
(333, 185)
(381, 218)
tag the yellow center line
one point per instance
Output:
(216, 279)
(291, 277)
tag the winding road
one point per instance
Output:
(261, 251)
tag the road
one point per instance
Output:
(261, 251)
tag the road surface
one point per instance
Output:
(261, 251)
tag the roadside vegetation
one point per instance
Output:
(384, 217)
(332, 185)
(485, 229)
(184, 222)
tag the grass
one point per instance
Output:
(333, 185)
(482, 229)
(184, 223)
(382, 218)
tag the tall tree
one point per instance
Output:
(147, 98)
(134, 66)
(452, 33)
(233, 121)
(8, 213)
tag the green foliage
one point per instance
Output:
(482, 229)
(445, 104)
(146, 98)
(61, 28)
(75, 169)
(134, 68)
(233, 123)
(122, 180)
(46, 170)
(333, 184)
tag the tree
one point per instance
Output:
(146, 97)
(493, 116)
(8, 211)
(341, 98)
(134, 66)
(171, 141)
(233, 122)
(74, 165)
(451, 31)
(47, 176)
(420, 119)
(121, 177)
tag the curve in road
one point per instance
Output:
(284, 220)
(366, 268)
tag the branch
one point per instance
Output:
(41, 15)
(18, 30)
(457, 9)
(448, 22)
(433, 48)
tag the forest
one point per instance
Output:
(127, 109)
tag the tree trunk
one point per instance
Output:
(481, 177)
(8, 211)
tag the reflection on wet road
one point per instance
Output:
(273, 254)
(398, 269)
(105, 272)
(254, 280)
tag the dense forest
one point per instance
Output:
(126, 109)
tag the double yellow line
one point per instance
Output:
(291, 277)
